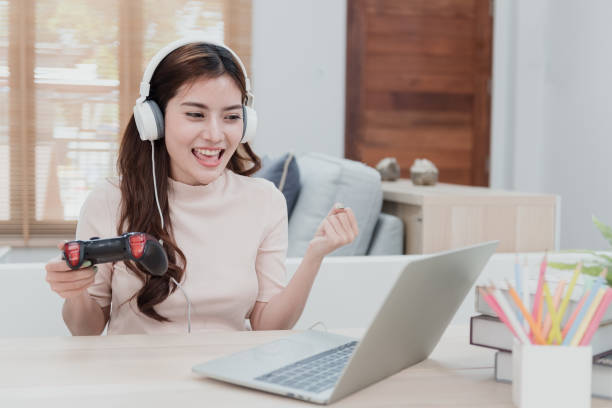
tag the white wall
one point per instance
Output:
(552, 108)
(552, 76)
(299, 53)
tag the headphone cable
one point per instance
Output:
(161, 217)
(188, 303)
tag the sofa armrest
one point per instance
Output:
(388, 236)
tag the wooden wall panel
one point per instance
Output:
(418, 75)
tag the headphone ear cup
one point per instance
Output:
(249, 124)
(149, 120)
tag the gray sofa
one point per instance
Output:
(326, 180)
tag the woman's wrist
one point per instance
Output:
(83, 316)
(80, 299)
(314, 253)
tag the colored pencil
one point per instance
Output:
(526, 292)
(534, 328)
(594, 325)
(541, 309)
(574, 327)
(537, 303)
(518, 282)
(554, 306)
(555, 333)
(498, 311)
(505, 306)
(582, 326)
(574, 314)
(517, 275)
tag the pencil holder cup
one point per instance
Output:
(551, 376)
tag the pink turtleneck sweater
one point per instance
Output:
(233, 233)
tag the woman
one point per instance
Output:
(225, 233)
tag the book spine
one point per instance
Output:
(500, 370)
(490, 346)
(507, 340)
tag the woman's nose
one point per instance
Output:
(213, 131)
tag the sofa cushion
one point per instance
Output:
(285, 174)
(388, 236)
(325, 181)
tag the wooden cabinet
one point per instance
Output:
(447, 216)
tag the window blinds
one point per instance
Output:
(69, 76)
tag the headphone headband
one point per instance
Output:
(148, 115)
(145, 85)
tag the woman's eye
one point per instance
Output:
(195, 114)
(233, 117)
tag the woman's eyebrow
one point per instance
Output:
(204, 106)
(195, 104)
(233, 107)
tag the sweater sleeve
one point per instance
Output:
(98, 219)
(272, 252)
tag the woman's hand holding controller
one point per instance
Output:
(66, 282)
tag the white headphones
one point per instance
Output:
(148, 116)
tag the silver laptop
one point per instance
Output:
(323, 367)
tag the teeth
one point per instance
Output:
(207, 152)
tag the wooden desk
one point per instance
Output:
(155, 371)
(447, 216)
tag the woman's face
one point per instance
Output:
(203, 128)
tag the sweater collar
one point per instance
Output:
(184, 191)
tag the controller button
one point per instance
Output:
(137, 244)
(73, 251)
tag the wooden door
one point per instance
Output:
(418, 85)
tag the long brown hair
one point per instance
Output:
(139, 212)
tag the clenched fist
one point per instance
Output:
(337, 229)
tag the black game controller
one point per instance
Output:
(136, 246)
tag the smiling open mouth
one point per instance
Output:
(208, 157)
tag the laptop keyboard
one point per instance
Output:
(313, 374)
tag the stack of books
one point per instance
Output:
(487, 330)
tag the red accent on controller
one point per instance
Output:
(73, 251)
(137, 244)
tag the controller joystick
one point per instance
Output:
(135, 246)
